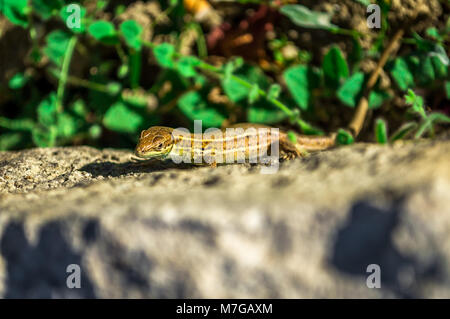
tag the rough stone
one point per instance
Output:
(164, 230)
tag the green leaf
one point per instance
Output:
(350, 92)
(44, 136)
(79, 108)
(427, 124)
(426, 70)
(186, 66)
(263, 112)
(292, 137)
(228, 70)
(447, 89)
(433, 33)
(440, 69)
(357, 53)
(437, 117)
(302, 16)
(344, 138)
(301, 80)
(424, 127)
(377, 98)
(253, 95)
(200, 80)
(16, 11)
(101, 4)
(47, 110)
(196, 107)
(335, 68)
(231, 66)
(164, 54)
(381, 131)
(416, 101)
(57, 42)
(18, 81)
(363, 2)
(294, 117)
(274, 91)
(403, 131)
(69, 17)
(402, 74)
(95, 131)
(122, 71)
(10, 140)
(114, 88)
(122, 119)
(236, 90)
(104, 32)
(46, 8)
(439, 52)
(423, 44)
(66, 125)
(131, 31)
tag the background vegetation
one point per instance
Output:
(303, 65)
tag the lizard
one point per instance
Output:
(158, 142)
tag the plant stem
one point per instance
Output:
(135, 68)
(201, 43)
(64, 73)
(121, 53)
(33, 36)
(17, 125)
(353, 33)
(81, 82)
(161, 16)
(87, 84)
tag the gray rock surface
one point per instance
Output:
(163, 230)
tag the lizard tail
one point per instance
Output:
(316, 143)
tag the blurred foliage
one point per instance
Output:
(89, 83)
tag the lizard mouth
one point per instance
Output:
(149, 154)
(160, 154)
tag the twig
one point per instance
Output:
(357, 121)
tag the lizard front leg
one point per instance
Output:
(213, 164)
(289, 150)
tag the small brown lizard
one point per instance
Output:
(158, 142)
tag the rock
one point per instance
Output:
(167, 231)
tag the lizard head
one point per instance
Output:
(156, 142)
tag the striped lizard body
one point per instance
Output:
(237, 143)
